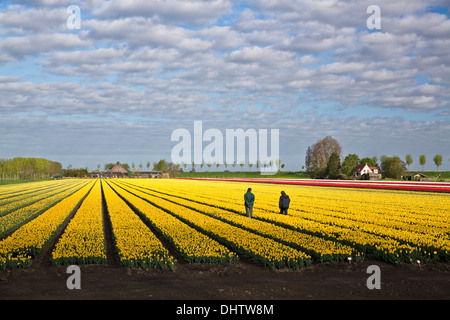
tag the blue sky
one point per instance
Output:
(137, 70)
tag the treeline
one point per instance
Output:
(162, 165)
(76, 173)
(28, 168)
(323, 160)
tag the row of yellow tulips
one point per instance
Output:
(13, 220)
(418, 212)
(28, 200)
(371, 235)
(12, 203)
(136, 244)
(12, 193)
(82, 241)
(14, 190)
(319, 248)
(192, 245)
(17, 249)
(195, 216)
(263, 249)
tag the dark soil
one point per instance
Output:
(224, 281)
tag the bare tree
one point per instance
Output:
(318, 154)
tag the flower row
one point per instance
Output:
(136, 245)
(314, 211)
(192, 245)
(14, 220)
(319, 248)
(263, 249)
(30, 239)
(83, 241)
(14, 202)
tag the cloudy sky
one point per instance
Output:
(136, 70)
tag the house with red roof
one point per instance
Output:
(364, 170)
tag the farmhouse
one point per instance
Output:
(119, 171)
(149, 174)
(363, 169)
(414, 177)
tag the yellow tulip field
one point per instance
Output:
(162, 222)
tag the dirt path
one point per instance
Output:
(239, 281)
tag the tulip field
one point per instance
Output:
(162, 222)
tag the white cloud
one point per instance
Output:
(310, 67)
(196, 12)
(19, 47)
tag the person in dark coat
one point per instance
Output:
(249, 199)
(284, 203)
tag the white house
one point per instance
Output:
(374, 172)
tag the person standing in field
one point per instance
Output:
(249, 199)
(284, 203)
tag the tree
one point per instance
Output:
(393, 167)
(422, 160)
(349, 164)
(172, 168)
(370, 162)
(409, 160)
(309, 159)
(375, 160)
(77, 173)
(28, 168)
(318, 154)
(109, 166)
(55, 168)
(164, 166)
(278, 163)
(160, 165)
(437, 161)
(333, 170)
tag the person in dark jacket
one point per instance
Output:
(284, 203)
(249, 199)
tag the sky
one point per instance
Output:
(117, 87)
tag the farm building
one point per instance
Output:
(363, 169)
(414, 176)
(148, 174)
(119, 171)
